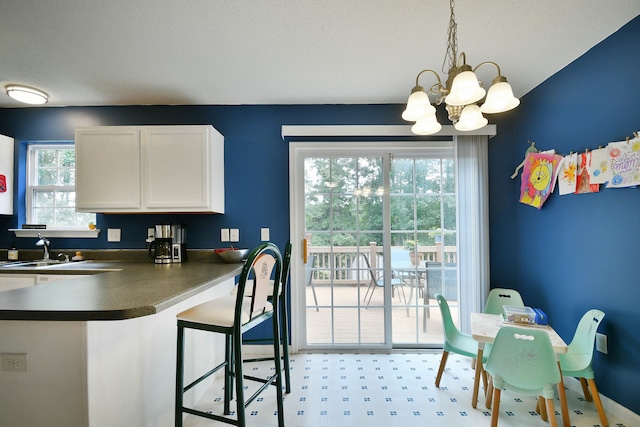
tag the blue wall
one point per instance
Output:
(579, 251)
(256, 164)
(576, 253)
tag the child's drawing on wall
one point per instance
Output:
(538, 178)
(625, 163)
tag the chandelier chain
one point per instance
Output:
(452, 41)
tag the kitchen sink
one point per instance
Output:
(41, 263)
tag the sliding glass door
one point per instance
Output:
(381, 240)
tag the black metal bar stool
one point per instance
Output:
(284, 318)
(232, 316)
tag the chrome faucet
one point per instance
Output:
(46, 245)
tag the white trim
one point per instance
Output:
(611, 407)
(56, 233)
(292, 131)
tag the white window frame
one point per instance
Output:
(31, 189)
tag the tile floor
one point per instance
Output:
(387, 390)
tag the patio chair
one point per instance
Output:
(311, 259)
(379, 283)
(523, 361)
(576, 362)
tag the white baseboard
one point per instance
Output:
(610, 406)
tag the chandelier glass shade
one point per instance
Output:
(461, 93)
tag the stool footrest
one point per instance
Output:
(204, 377)
(210, 416)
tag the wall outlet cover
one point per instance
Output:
(14, 362)
(264, 234)
(113, 235)
(601, 343)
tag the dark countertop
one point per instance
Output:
(113, 290)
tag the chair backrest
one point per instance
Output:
(442, 278)
(311, 259)
(523, 359)
(499, 297)
(262, 268)
(584, 338)
(400, 258)
(449, 328)
(286, 266)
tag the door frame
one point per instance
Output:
(477, 272)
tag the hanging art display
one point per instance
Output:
(583, 179)
(567, 176)
(624, 158)
(617, 166)
(538, 178)
(598, 166)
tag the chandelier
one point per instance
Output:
(461, 93)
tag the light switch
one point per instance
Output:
(224, 235)
(234, 235)
(113, 234)
(264, 234)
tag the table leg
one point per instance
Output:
(476, 381)
(563, 401)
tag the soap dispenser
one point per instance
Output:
(12, 254)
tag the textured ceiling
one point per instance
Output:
(139, 52)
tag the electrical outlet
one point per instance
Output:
(14, 362)
(151, 234)
(601, 343)
(234, 235)
(264, 234)
(113, 235)
(224, 235)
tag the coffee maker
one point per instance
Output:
(169, 245)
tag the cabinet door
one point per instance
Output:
(107, 169)
(176, 168)
(16, 281)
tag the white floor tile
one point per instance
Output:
(387, 390)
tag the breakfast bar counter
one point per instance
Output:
(100, 348)
(110, 290)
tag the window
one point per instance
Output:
(51, 191)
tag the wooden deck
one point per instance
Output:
(357, 324)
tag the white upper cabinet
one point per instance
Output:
(149, 169)
(108, 169)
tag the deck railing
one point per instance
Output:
(347, 267)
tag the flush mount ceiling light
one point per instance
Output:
(26, 94)
(461, 93)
